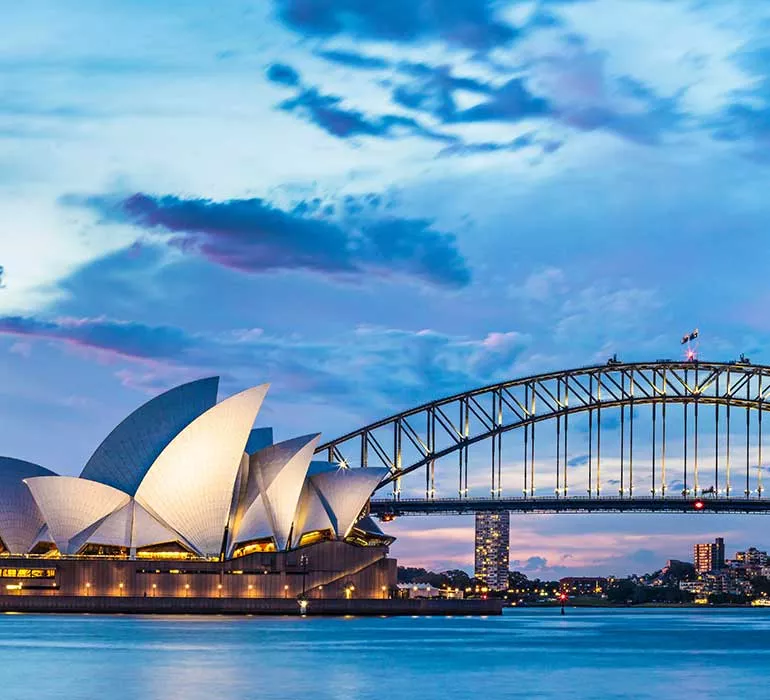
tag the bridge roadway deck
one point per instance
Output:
(577, 504)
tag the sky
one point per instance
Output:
(374, 204)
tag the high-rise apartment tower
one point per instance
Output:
(492, 549)
(709, 556)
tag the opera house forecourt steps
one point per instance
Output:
(186, 507)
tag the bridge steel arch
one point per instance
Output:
(420, 437)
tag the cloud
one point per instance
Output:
(253, 236)
(355, 60)
(367, 367)
(747, 117)
(469, 24)
(541, 285)
(123, 338)
(282, 74)
(511, 102)
(579, 461)
(431, 89)
(532, 564)
(327, 112)
(583, 95)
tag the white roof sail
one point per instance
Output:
(70, 505)
(254, 525)
(113, 530)
(280, 472)
(190, 485)
(20, 518)
(123, 458)
(311, 513)
(147, 530)
(345, 492)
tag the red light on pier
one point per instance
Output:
(698, 505)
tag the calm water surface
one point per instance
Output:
(533, 654)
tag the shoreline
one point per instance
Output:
(248, 606)
(623, 606)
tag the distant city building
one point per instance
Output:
(492, 549)
(709, 556)
(425, 590)
(705, 584)
(752, 557)
(708, 583)
(583, 585)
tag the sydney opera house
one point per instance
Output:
(186, 499)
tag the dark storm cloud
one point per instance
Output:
(125, 338)
(253, 236)
(470, 24)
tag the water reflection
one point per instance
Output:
(527, 653)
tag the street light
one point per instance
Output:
(120, 588)
(303, 562)
(88, 589)
(219, 588)
(154, 589)
(187, 590)
(286, 591)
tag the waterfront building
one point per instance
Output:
(186, 498)
(426, 590)
(492, 549)
(709, 556)
(583, 585)
(723, 582)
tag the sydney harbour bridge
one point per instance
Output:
(663, 436)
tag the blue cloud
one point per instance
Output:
(747, 118)
(253, 236)
(283, 75)
(579, 461)
(432, 90)
(125, 338)
(355, 60)
(466, 23)
(511, 102)
(326, 112)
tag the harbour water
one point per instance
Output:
(526, 653)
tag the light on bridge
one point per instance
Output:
(698, 504)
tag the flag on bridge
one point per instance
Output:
(687, 337)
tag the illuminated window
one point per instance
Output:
(103, 550)
(45, 549)
(165, 550)
(315, 536)
(266, 544)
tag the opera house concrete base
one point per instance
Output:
(334, 578)
(325, 570)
